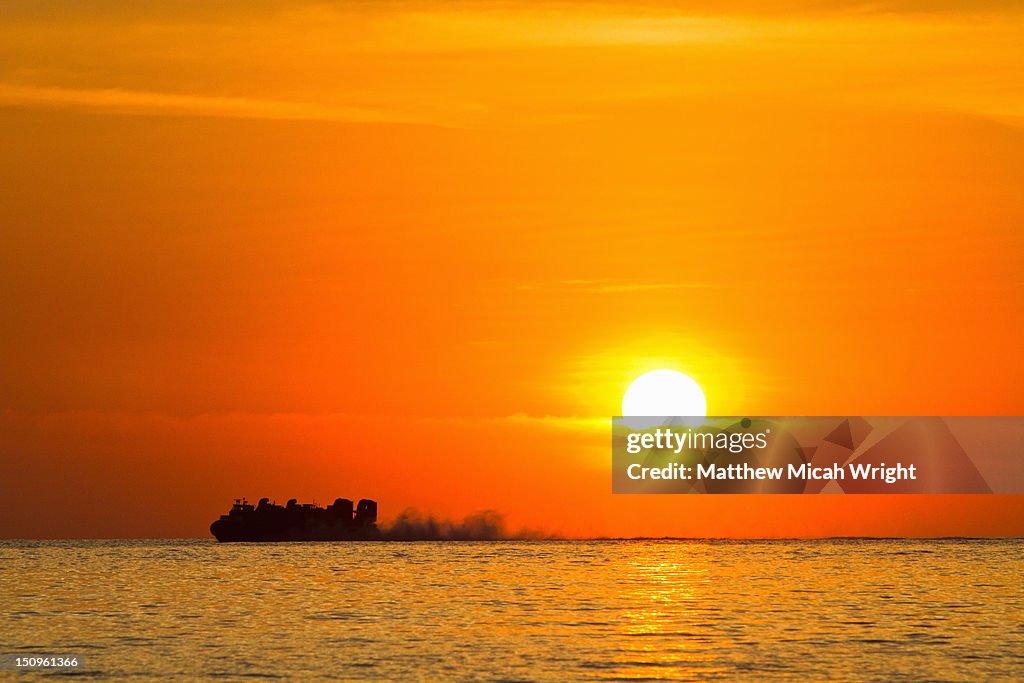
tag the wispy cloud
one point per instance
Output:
(176, 104)
(608, 286)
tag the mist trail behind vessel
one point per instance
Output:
(487, 525)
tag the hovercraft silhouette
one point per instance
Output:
(268, 521)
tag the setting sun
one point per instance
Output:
(664, 393)
(437, 340)
(469, 227)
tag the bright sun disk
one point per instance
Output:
(664, 393)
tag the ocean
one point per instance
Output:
(845, 610)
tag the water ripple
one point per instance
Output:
(554, 610)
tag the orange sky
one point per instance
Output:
(416, 251)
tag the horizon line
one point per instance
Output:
(540, 539)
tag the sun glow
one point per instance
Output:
(664, 393)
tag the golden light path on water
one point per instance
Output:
(542, 610)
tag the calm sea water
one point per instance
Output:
(549, 610)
